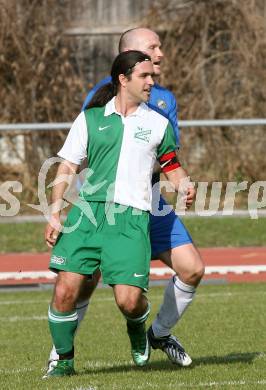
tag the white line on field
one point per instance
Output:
(16, 370)
(158, 271)
(27, 275)
(197, 385)
(24, 302)
(21, 318)
(219, 384)
(219, 269)
(229, 294)
(96, 365)
(155, 296)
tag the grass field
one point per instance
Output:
(28, 237)
(224, 331)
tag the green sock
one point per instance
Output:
(62, 327)
(136, 322)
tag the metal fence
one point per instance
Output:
(188, 123)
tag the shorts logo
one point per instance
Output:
(143, 135)
(58, 260)
(138, 275)
(161, 104)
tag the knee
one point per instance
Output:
(193, 274)
(64, 298)
(128, 303)
(197, 274)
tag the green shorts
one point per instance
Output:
(121, 250)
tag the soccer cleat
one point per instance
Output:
(51, 365)
(171, 346)
(60, 368)
(140, 346)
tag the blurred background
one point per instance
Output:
(53, 52)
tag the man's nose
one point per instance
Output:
(150, 81)
(159, 52)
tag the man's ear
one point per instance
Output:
(123, 80)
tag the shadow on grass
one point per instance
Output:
(231, 358)
(166, 365)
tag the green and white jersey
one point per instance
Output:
(121, 152)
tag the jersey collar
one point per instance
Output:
(110, 109)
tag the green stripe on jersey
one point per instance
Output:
(105, 135)
(167, 142)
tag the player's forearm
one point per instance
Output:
(64, 175)
(177, 177)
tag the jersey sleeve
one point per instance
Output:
(166, 152)
(172, 116)
(164, 102)
(75, 146)
(93, 90)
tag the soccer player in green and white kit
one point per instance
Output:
(170, 240)
(108, 228)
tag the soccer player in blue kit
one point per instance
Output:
(170, 241)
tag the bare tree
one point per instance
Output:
(40, 80)
(215, 65)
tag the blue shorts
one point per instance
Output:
(167, 232)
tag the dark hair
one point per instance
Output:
(124, 64)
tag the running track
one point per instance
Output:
(222, 264)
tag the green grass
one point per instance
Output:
(207, 232)
(224, 332)
(29, 237)
(22, 237)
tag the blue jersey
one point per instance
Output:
(161, 100)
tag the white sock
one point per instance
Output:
(177, 297)
(81, 308)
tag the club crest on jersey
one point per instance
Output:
(161, 104)
(142, 135)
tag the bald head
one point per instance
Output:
(145, 40)
(132, 38)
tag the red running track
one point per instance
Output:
(246, 264)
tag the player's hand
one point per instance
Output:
(52, 231)
(190, 196)
(186, 192)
